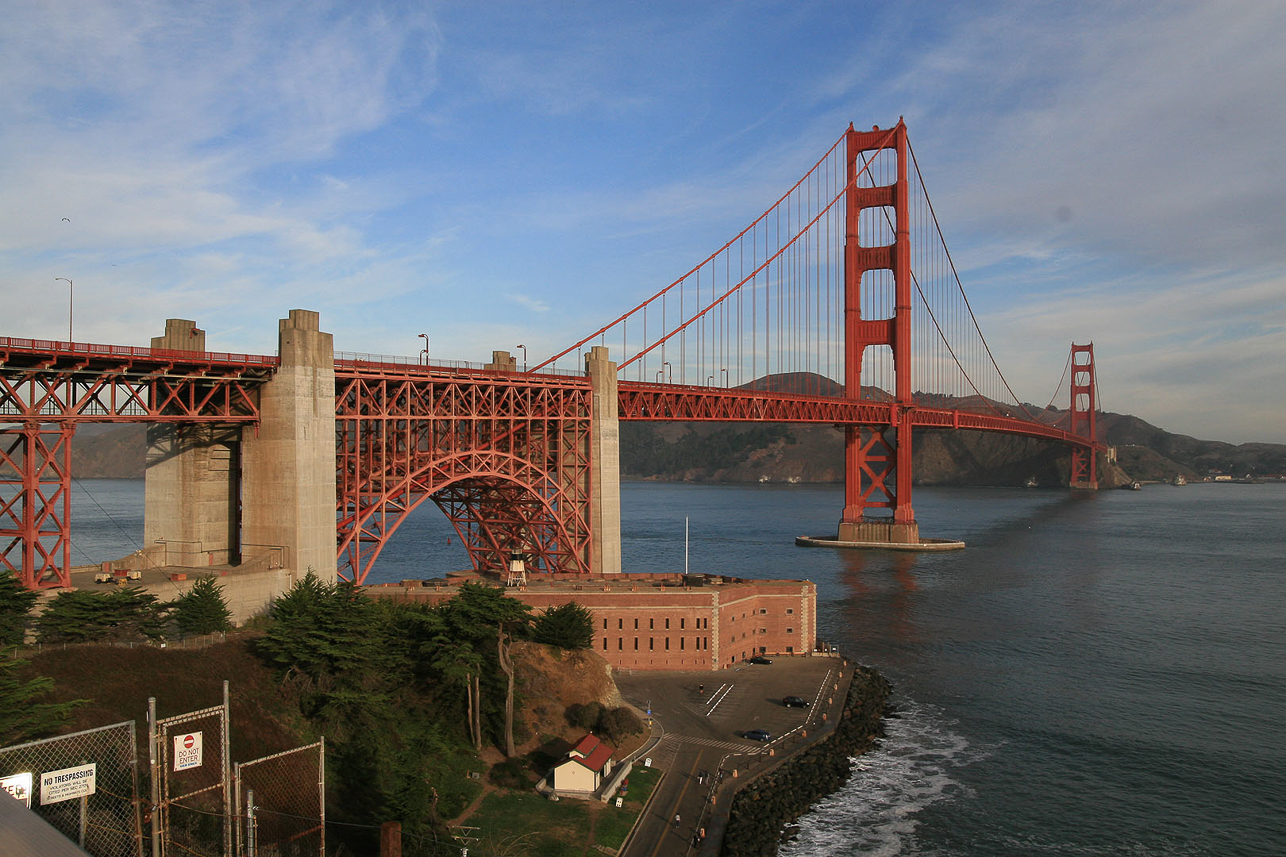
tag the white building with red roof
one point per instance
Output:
(586, 768)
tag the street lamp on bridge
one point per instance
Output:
(424, 353)
(70, 290)
(524, 356)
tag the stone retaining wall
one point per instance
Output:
(763, 808)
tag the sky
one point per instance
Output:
(494, 173)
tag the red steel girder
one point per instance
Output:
(670, 402)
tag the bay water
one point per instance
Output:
(1096, 674)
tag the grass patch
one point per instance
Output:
(527, 822)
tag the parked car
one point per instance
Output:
(758, 735)
(759, 659)
(794, 702)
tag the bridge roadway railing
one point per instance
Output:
(671, 402)
(16, 348)
(46, 381)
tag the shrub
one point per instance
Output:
(619, 723)
(585, 716)
(82, 616)
(202, 609)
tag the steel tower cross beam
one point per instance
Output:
(877, 460)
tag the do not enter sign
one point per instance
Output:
(187, 751)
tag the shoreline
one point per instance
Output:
(768, 802)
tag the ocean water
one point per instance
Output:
(1097, 674)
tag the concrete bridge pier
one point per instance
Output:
(224, 495)
(605, 464)
(191, 489)
(288, 461)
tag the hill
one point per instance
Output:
(774, 452)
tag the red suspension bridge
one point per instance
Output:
(823, 310)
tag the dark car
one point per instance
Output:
(758, 735)
(794, 702)
(759, 659)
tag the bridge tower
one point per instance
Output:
(1084, 407)
(877, 459)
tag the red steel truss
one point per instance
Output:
(663, 402)
(48, 387)
(504, 455)
(69, 382)
(35, 483)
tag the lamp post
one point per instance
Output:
(70, 292)
(424, 353)
(725, 376)
(669, 372)
(524, 356)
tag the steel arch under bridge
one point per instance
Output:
(506, 456)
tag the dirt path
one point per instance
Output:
(473, 807)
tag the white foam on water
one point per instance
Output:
(874, 815)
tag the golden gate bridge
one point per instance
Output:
(840, 304)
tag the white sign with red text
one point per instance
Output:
(187, 751)
(18, 785)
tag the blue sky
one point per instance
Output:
(503, 173)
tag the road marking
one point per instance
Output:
(715, 703)
(674, 809)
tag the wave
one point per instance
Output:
(875, 813)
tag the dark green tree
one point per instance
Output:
(324, 630)
(568, 626)
(489, 621)
(83, 616)
(21, 717)
(16, 602)
(202, 609)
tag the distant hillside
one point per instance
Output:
(105, 451)
(775, 452)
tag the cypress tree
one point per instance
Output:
(16, 602)
(202, 609)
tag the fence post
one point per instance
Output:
(240, 828)
(321, 790)
(84, 817)
(154, 775)
(227, 783)
(391, 839)
(252, 847)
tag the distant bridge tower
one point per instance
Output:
(877, 459)
(1084, 407)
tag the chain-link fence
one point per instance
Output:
(84, 784)
(282, 803)
(87, 786)
(195, 807)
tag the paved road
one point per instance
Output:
(702, 716)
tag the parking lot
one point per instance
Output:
(704, 717)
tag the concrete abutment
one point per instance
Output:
(218, 495)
